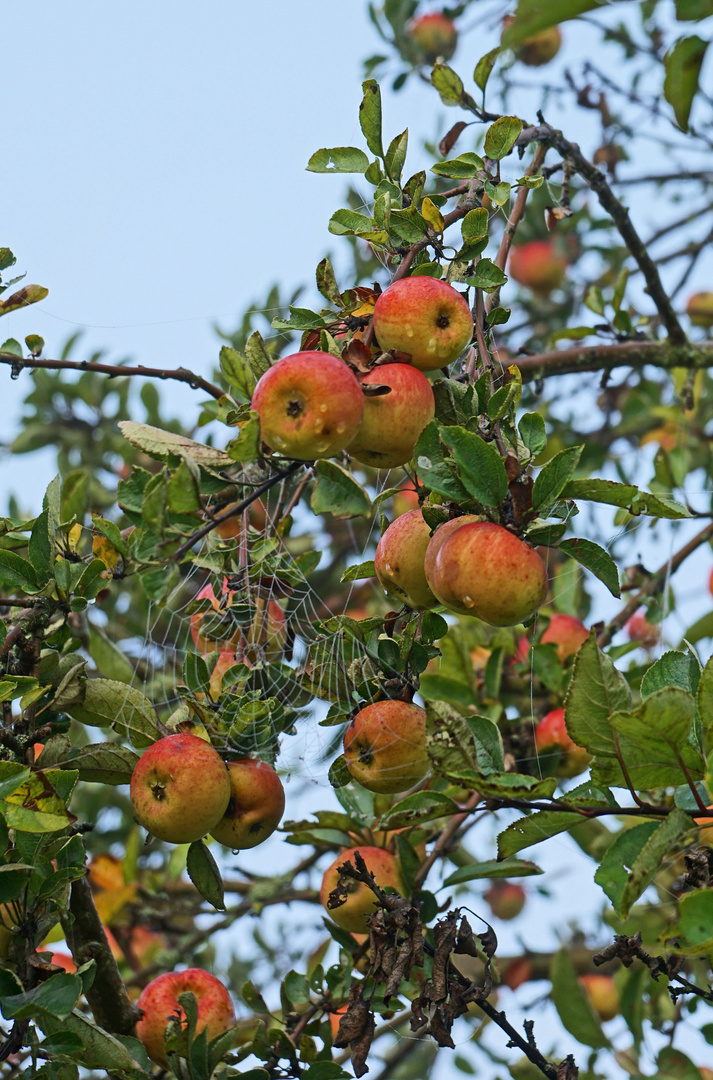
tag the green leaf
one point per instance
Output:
(100, 1050)
(532, 16)
(101, 763)
(531, 181)
(338, 159)
(693, 10)
(246, 446)
(487, 276)
(108, 703)
(349, 223)
(300, 319)
(501, 136)
(682, 65)
(183, 493)
(631, 862)
(337, 492)
(237, 372)
(339, 775)
(12, 776)
(695, 922)
(418, 809)
(553, 477)
(484, 67)
(595, 559)
(507, 868)
(41, 545)
(165, 444)
(57, 997)
(498, 193)
(482, 471)
(533, 432)
(531, 830)
(672, 669)
(11, 346)
(36, 807)
(109, 659)
(601, 491)
(575, 1012)
(596, 692)
(463, 167)
(459, 746)
(327, 282)
(257, 354)
(359, 571)
(448, 84)
(475, 224)
(431, 468)
(17, 572)
(204, 873)
(396, 155)
(370, 116)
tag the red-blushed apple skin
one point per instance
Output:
(392, 423)
(538, 266)
(180, 788)
(439, 538)
(640, 629)
(385, 746)
(435, 35)
(506, 899)
(483, 570)
(424, 317)
(310, 405)
(159, 1002)
(705, 835)
(399, 561)
(257, 803)
(551, 734)
(700, 309)
(405, 499)
(567, 633)
(352, 914)
(602, 993)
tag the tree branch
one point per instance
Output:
(513, 222)
(634, 354)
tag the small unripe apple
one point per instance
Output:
(602, 994)
(256, 806)
(640, 629)
(385, 746)
(310, 405)
(393, 422)
(540, 48)
(506, 899)
(360, 902)
(538, 266)
(484, 570)
(434, 35)
(180, 788)
(700, 309)
(399, 561)
(159, 1004)
(567, 633)
(439, 538)
(551, 736)
(424, 317)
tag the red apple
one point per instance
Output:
(434, 36)
(705, 835)
(551, 735)
(257, 803)
(640, 629)
(506, 899)
(538, 266)
(159, 1003)
(486, 571)
(399, 561)
(602, 994)
(567, 633)
(310, 405)
(426, 318)
(352, 914)
(439, 538)
(385, 746)
(233, 527)
(180, 788)
(393, 422)
(700, 309)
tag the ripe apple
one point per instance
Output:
(602, 994)
(640, 629)
(551, 735)
(257, 802)
(393, 422)
(360, 902)
(434, 36)
(180, 788)
(424, 317)
(399, 561)
(506, 899)
(385, 746)
(439, 538)
(540, 48)
(538, 266)
(700, 309)
(159, 1003)
(310, 405)
(567, 633)
(233, 527)
(486, 571)
(706, 831)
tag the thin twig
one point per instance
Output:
(513, 221)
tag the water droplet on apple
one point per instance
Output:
(322, 446)
(409, 330)
(235, 851)
(387, 568)
(341, 428)
(322, 408)
(431, 347)
(280, 442)
(469, 601)
(318, 425)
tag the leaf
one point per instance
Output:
(41, 545)
(109, 659)
(431, 214)
(29, 294)
(12, 775)
(349, 223)
(507, 868)
(595, 559)
(418, 809)
(35, 806)
(101, 763)
(672, 669)
(487, 276)
(359, 571)
(533, 432)
(338, 159)
(327, 282)
(637, 854)
(553, 477)
(448, 84)
(300, 319)
(682, 65)
(246, 446)
(459, 746)
(475, 224)
(532, 16)
(501, 136)
(695, 922)
(484, 67)
(337, 492)
(395, 158)
(596, 692)
(257, 354)
(463, 167)
(601, 491)
(17, 572)
(482, 471)
(370, 116)
(204, 873)
(431, 468)
(108, 703)
(237, 372)
(100, 1050)
(575, 1012)
(183, 493)
(693, 10)
(165, 444)
(56, 997)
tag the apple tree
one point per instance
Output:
(414, 574)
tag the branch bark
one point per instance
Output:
(634, 354)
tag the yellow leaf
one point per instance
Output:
(104, 549)
(433, 215)
(73, 537)
(112, 902)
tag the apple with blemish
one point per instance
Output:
(310, 406)
(700, 309)
(567, 633)
(180, 788)
(426, 318)
(360, 902)
(538, 266)
(392, 422)
(159, 1004)
(539, 49)
(434, 35)
(399, 561)
(551, 736)
(256, 805)
(602, 995)
(385, 746)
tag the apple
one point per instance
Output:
(439, 538)
(640, 629)
(360, 902)
(700, 309)
(393, 422)
(399, 561)
(706, 1073)
(159, 1003)
(540, 48)
(310, 405)
(538, 266)
(484, 570)
(434, 36)
(506, 899)
(233, 527)
(551, 735)
(180, 788)
(257, 803)
(602, 994)
(706, 830)
(385, 746)
(425, 318)
(567, 633)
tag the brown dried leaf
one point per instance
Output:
(451, 138)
